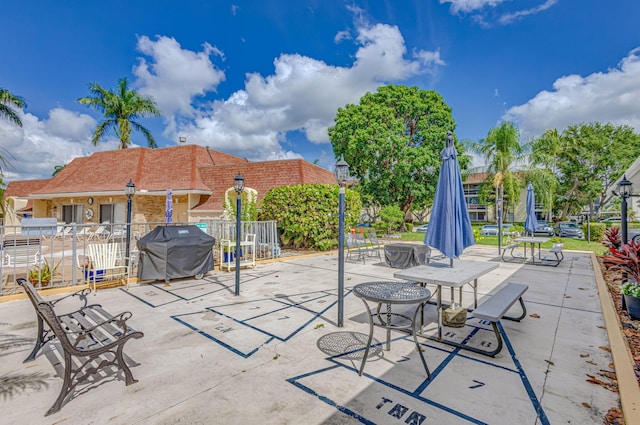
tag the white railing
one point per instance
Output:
(62, 247)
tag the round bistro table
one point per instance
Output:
(390, 293)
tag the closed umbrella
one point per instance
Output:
(532, 222)
(168, 207)
(450, 228)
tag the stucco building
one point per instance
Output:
(91, 189)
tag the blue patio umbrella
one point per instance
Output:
(168, 207)
(532, 222)
(449, 227)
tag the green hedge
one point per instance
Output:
(597, 231)
(307, 214)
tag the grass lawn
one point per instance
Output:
(569, 243)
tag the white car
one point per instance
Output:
(422, 228)
(492, 230)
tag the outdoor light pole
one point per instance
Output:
(341, 173)
(499, 214)
(624, 191)
(238, 185)
(129, 190)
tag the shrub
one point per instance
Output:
(597, 231)
(307, 214)
(393, 217)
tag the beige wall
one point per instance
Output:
(145, 208)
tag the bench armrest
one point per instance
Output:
(82, 294)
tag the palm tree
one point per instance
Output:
(121, 108)
(502, 150)
(7, 101)
(57, 169)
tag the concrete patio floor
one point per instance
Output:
(274, 355)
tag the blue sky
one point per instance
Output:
(263, 79)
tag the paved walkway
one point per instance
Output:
(274, 355)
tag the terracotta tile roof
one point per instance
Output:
(260, 176)
(150, 169)
(23, 188)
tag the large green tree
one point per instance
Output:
(543, 172)
(121, 109)
(8, 101)
(392, 141)
(503, 152)
(592, 157)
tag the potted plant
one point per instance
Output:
(42, 274)
(626, 260)
(631, 298)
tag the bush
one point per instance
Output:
(307, 214)
(409, 227)
(393, 218)
(597, 231)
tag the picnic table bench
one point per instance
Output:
(556, 250)
(512, 247)
(85, 335)
(495, 308)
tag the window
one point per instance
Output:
(112, 213)
(73, 214)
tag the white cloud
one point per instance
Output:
(40, 145)
(486, 12)
(70, 125)
(304, 94)
(511, 17)
(467, 6)
(612, 96)
(175, 75)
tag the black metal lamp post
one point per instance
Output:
(341, 173)
(129, 190)
(499, 206)
(625, 189)
(238, 185)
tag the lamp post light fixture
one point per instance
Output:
(238, 186)
(341, 173)
(129, 190)
(625, 189)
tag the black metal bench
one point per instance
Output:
(494, 309)
(511, 246)
(91, 339)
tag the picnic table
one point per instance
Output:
(532, 240)
(442, 275)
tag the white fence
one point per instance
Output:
(62, 247)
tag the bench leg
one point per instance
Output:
(40, 341)
(551, 262)
(522, 316)
(496, 331)
(129, 379)
(493, 353)
(66, 387)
